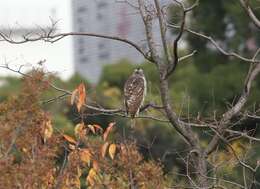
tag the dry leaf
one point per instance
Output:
(48, 131)
(123, 149)
(108, 130)
(104, 149)
(92, 128)
(98, 127)
(112, 150)
(73, 96)
(85, 156)
(72, 147)
(92, 175)
(79, 172)
(82, 96)
(80, 130)
(69, 139)
(95, 165)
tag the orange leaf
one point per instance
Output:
(98, 127)
(85, 156)
(92, 175)
(104, 149)
(108, 130)
(24, 150)
(112, 150)
(92, 128)
(82, 96)
(95, 165)
(69, 139)
(73, 96)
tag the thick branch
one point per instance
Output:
(184, 131)
(179, 125)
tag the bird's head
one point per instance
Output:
(139, 71)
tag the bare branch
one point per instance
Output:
(175, 58)
(252, 73)
(52, 38)
(250, 13)
(234, 152)
(153, 105)
(187, 56)
(147, 20)
(215, 44)
(162, 30)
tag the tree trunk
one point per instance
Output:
(199, 158)
(201, 169)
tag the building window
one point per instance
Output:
(101, 5)
(80, 20)
(101, 46)
(81, 41)
(81, 50)
(103, 50)
(82, 9)
(100, 15)
(83, 60)
(103, 55)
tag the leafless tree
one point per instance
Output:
(166, 64)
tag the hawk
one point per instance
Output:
(134, 92)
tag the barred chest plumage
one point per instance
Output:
(134, 92)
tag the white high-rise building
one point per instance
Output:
(108, 17)
(17, 20)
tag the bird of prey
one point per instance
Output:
(134, 92)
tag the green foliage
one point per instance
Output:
(116, 75)
(215, 80)
(8, 86)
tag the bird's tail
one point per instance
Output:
(132, 123)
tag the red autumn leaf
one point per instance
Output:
(69, 139)
(108, 130)
(82, 96)
(95, 165)
(104, 149)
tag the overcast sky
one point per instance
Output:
(34, 13)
